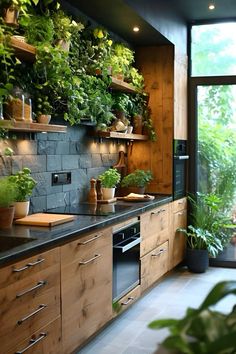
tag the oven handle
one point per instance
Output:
(183, 157)
(135, 241)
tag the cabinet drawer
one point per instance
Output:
(27, 305)
(126, 301)
(27, 267)
(179, 204)
(178, 244)
(154, 228)
(45, 341)
(85, 246)
(154, 265)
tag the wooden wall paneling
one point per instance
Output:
(156, 65)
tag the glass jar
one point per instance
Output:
(15, 106)
(28, 108)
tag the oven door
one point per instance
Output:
(126, 256)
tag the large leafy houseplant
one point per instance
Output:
(203, 330)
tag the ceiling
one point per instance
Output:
(119, 16)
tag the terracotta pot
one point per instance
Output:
(6, 217)
(137, 124)
(21, 209)
(11, 16)
(44, 118)
(136, 190)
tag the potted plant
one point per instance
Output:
(109, 180)
(12, 8)
(43, 109)
(8, 194)
(25, 185)
(202, 330)
(121, 59)
(137, 181)
(208, 231)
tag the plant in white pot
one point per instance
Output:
(109, 180)
(25, 184)
(7, 198)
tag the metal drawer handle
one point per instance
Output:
(162, 250)
(40, 308)
(28, 265)
(90, 260)
(90, 240)
(158, 212)
(128, 301)
(180, 213)
(32, 342)
(40, 284)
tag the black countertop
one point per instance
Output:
(48, 237)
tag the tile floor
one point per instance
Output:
(180, 289)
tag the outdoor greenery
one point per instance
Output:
(216, 113)
(203, 330)
(24, 183)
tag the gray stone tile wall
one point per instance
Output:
(74, 152)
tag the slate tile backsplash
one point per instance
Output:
(43, 153)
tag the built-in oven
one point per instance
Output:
(126, 263)
(179, 168)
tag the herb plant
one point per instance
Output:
(110, 178)
(138, 178)
(24, 184)
(8, 192)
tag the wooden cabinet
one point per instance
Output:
(177, 239)
(154, 265)
(86, 277)
(155, 245)
(126, 301)
(30, 300)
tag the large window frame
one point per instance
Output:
(193, 83)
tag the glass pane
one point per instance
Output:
(214, 49)
(216, 107)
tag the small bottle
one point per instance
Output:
(99, 189)
(92, 198)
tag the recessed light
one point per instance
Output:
(136, 29)
(211, 7)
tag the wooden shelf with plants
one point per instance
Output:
(23, 50)
(120, 85)
(32, 127)
(118, 135)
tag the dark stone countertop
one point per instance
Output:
(48, 237)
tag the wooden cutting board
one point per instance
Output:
(43, 219)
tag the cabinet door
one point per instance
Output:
(178, 241)
(154, 265)
(154, 228)
(86, 289)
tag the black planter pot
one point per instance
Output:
(197, 261)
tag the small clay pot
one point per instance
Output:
(44, 118)
(6, 217)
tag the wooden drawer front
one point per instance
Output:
(179, 204)
(23, 310)
(85, 246)
(45, 341)
(86, 295)
(27, 267)
(154, 265)
(179, 241)
(126, 301)
(154, 240)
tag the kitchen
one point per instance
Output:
(86, 157)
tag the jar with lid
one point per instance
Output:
(28, 108)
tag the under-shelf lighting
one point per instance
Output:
(136, 29)
(211, 6)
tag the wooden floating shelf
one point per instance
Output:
(23, 50)
(33, 127)
(121, 85)
(117, 135)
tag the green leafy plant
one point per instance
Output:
(24, 183)
(8, 192)
(43, 106)
(110, 178)
(64, 26)
(121, 59)
(38, 29)
(122, 103)
(203, 330)
(136, 79)
(138, 178)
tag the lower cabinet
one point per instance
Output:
(154, 265)
(126, 301)
(177, 239)
(86, 280)
(47, 340)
